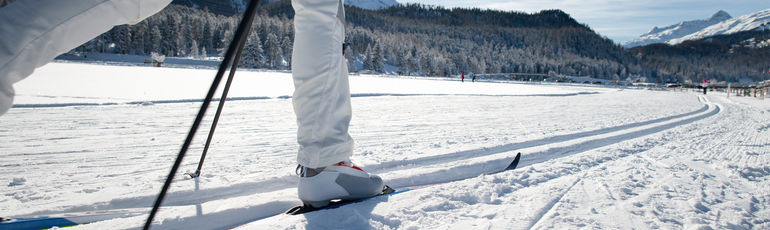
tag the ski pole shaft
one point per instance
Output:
(233, 50)
(219, 108)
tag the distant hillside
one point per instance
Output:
(731, 48)
(488, 41)
(427, 40)
(221, 7)
(231, 7)
(434, 41)
(405, 39)
(371, 4)
(722, 57)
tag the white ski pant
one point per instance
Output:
(34, 32)
(321, 91)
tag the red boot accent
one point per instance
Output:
(342, 163)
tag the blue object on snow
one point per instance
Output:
(35, 223)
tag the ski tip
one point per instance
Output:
(387, 189)
(515, 162)
(296, 210)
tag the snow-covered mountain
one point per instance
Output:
(755, 21)
(676, 31)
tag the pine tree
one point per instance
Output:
(122, 39)
(138, 39)
(377, 59)
(156, 40)
(287, 45)
(368, 59)
(227, 37)
(350, 58)
(273, 51)
(170, 34)
(194, 52)
(253, 55)
(207, 36)
(414, 61)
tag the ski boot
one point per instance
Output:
(342, 181)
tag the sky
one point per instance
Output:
(619, 20)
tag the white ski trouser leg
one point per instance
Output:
(321, 90)
(34, 32)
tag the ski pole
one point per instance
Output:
(233, 53)
(221, 105)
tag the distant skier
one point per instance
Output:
(462, 77)
(36, 31)
(705, 84)
(473, 77)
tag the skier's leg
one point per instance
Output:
(322, 95)
(34, 32)
(322, 105)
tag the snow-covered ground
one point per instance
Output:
(87, 137)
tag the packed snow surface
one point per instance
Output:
(86, 137)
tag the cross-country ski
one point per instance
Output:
(300, 209)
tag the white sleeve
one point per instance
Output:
(34, 32)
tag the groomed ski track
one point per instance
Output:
(593, 157)
(241, 204)
(536, 151)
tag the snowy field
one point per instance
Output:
(85, 137)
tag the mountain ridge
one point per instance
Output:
(675, 31)
(755, 21)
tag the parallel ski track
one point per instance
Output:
(545, 210)
(558, 152)
(610, 135)
(711, 143)
(568, 144)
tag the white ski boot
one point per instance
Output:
(341, 181)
